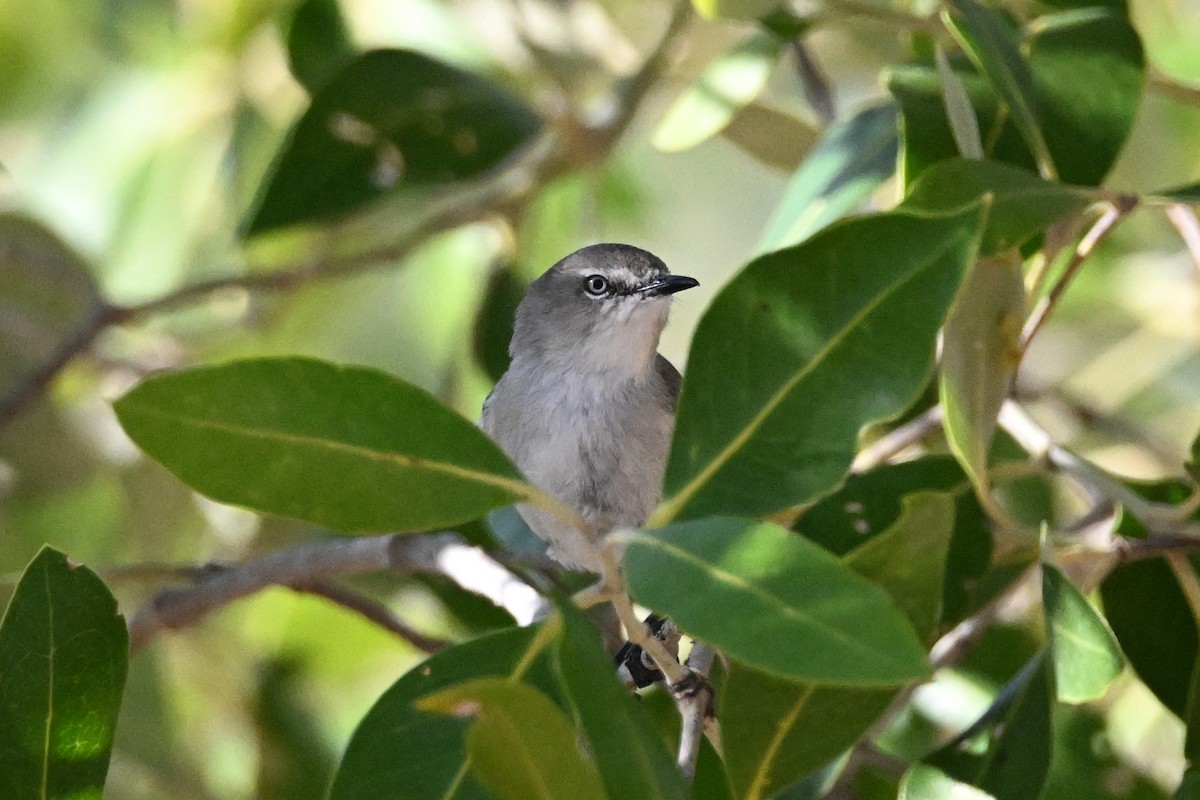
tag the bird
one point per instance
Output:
(586, 407)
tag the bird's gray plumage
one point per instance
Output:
(587, 406)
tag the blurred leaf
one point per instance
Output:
(1150, 617)
(346, 447)
(390, 120)
(980, 353)
(992, 46)
(402, 753)
(929, 783)
(1192, 465)
(1073, 55)
(710, 781)
(1184, 194)
(735, 9)
(1023, 205)
(632, 759)
(800, 351)
(64, 653)
(1189, 787)
(725, 87)
(293, 758)
(959, 111)
(494, 323)
(47, 298)
(774, 601)
(521, 745)
(318, 43)
(849, 162)
(777, 731)
(474, 612)
(1191, 745)
(775, 138)
(1086, 656)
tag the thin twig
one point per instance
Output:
(1184, 219)
(695, 711)
(1120, 209)
(898, 440)
(618, 595)
(1169, 87)
(372, 610)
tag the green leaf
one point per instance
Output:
(1191, 744)
(993, 48)
(726, 86)
(347, 447)
(47, 299)
(735, 9)
(980, 354)
(1182, 194)
(1192, 465)
(1074, 55)
(64, 653)
(800, 351)
(494, 323)
(1150, 617)
(434, 762)
(774, 138)
(1086, 656)
(318, 43)
(632, 759)
(390, 120)
(521, 745)
(849, 162)
(959, 111)
(923, 782)
(770, 725)
(1023, 205)
(774, 601)
(1189, 787)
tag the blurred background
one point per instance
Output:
(137, 132)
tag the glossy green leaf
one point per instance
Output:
(923, 782)
(64, 653)
(434, 762)
(521, 745)
(1074, 54)
(993, 48)
(390, 120)
(632, 759)
(801, 350)
(726, 86)
(1084, 650)
(1023, 205)
(980, 354)
(849, 162)
(318, 43)
(735, 9)
(774, 601)
(1150, 617)
(347, 447)
(47, 299)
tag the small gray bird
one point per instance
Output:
(587, 406)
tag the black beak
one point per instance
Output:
(667, 284)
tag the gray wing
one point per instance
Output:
(671, 379)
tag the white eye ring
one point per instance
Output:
(595, 285)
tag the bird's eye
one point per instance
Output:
(596, 285)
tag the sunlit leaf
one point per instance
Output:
(774, 601)
(64, 653)
(434, 762)
(993, 47)
(801, 350)
(735, 9)
(849, 162)
(1086, 656)
(521, 745)
(726, 86)
(389, 120)
(632, 759)
(923, 782)
(347, 447)
(47, 298)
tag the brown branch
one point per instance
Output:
(373, 611)
(1169, 87)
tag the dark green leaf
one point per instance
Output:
(801, 350)
(494, 324)
(1150, 617)
(1189, 787)
(1084, 650)
(318, 43)
(992, 46)
(725, 87)
(1191, 745)
(1182, 194)
(64, 653)
(402, 753)
(710, 781)
(849, 162)
(390, 120)
(774, 601)
(632, 759)
(521, 745)
(929, 783)
(1193, 463)
(293, 755)
(346, 447)
(47, 298)
(1023, 205)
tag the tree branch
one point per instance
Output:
(1184, 220)
(373, 611)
